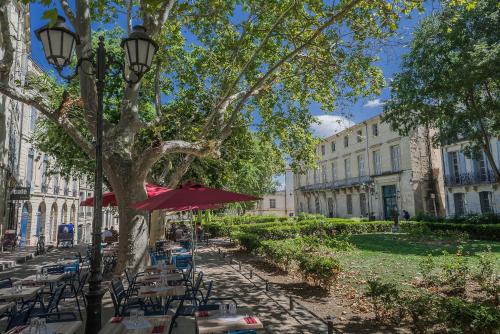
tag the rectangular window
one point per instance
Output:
(484, 200)
(323, 173)
(317, 206)
(482, 168)
(459, 201)
(359, 136)
(454, 166)
(361, 165)
(334, 171)
(33, 118)
(346, 141)
(347, 168)
(395, 158)
(316, 177)
(377, 163)
(362, 204)
(349, 204)
(375, 129)
(272, 203)
(29, 168)
(333, 146)
(323, 150)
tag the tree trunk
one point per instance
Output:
(134, 233)
(491, 160)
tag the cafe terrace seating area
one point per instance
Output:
(169, 296)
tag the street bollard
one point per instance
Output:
(239, 266)
(219, 251)
(267, 285)
(251, 273)
(291, 303)
(329, 323)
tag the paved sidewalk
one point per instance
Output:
(272, 307)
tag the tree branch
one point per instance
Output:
(58, 116)
(129, 16)
(254, 55)
(257, 85)
(154, 153)
(153, 23)
(69, 13)
(88, 88)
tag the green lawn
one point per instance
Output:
(397, 256)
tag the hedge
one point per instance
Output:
(277, 230)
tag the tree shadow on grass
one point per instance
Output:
(368, 326)
(306, 291)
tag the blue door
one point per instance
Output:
(25, 216)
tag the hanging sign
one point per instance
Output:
(20, 194)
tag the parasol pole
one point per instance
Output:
(193, 245)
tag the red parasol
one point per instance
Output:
(109, 198)
(191, 195)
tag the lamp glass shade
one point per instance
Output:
(139, 50)
(58, 43)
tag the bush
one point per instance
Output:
(249, 241)
(470, 317)
(386, 300)
(311, 260)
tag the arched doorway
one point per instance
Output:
(24, 225)
(52, 229)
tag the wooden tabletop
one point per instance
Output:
(158, 277)
(159, 267)
(28, 291)
(51, 278)
(66, 327)
(215, 323)
(6, 306)
(163, 291)
(118, 327)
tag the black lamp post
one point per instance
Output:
(58, 42)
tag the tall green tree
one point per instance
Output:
(450, 79)
(220, 63)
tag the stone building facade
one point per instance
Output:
(12, 113)
(471, 186)
(280, 203)
(51, 199)
(369, 169)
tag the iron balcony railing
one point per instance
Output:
(66, 191)
(56, 190)
(344, 183)
(469, 178)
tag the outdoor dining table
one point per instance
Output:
(155, 324)
(214, 322)
(159, 267)
(9, 294)
(158, 277)
(161, 291)
(66, 327)
(50, 279)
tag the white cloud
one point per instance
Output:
(329, 125)
(373, 104)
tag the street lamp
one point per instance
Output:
(58, 42)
